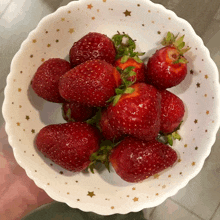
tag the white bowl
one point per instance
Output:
(25, 113)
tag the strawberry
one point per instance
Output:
(92, 46)
(168, 66)
(135, 160)
(137, 112)
(46, 79)
(132, 67)
(69, 145)
(172, 112)
(107, 131)
(74, 111)
(91, 83)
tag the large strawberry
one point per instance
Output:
(46, 79)
(91, 83)
(69, 145)
(135, 160)
(74, 111)
(168, 66)
(92, 46)
(137, 112)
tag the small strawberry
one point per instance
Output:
(168, 66)
(92, 46)
(172, 112)
(131, 68)
(46, 79)
(136, 112)
(74, 111)
(91, 83)
(107, 130)
(135, 160)
(69, 145)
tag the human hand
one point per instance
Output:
(19, 194)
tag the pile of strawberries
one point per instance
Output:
(117, 108)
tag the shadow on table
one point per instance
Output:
(58, 211)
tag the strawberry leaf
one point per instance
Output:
(116, 99)
(129, 90)
(124, 58)
(137, 59)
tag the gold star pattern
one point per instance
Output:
(198, 85)
(156, 176)
(32, 131)
(62, 19)
(89, 6)
(93, 18)
(18, 123)
(207, 112)
(127, 13)
(193, 163)
(196, 121)
(42, 60)
(19, 89)
(206, 76)
(27, 117)
(185, 145)
(135, 199)
(58, 30)
(91, 194)
(191, 71)
(71, 30)
(48, 45)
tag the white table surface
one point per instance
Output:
(200, 199)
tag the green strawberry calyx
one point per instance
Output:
(101, 156)
(179, 44)
(125, 48)
(169, 138)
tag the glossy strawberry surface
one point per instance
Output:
(135, 160)
(138, 113)
(172, 112)
(92, 46)
(162, 70)
(91, 83)
(69, 145)
(46, 79)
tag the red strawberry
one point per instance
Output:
(138, 69)
(107, 131)
(172, 112)
(69, 145)
(74, 111)
(91, 83)
(135, 160)
(167, 67)
(46, 79)
(92, 46)
(137, 113)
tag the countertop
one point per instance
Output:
(200, 199)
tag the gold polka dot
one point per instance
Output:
(58, 30)
(18, 123)
(42, 60)
(156, 176)
(206, 76)
(68, 193)
(179, 160)
(133, 188)
(169, 176)
(89, 6)
(185, 145)
(71, 30)
(34, 40)
(48, 45)
(157, 194)
(48, 184)
(164, 186)
(62, 19)
(69, 12)
(193, 163)
(169, 18)
(104, 0)
(93, 18)
(112, 207)
(149, 11)
(135, 199)
(207, 112)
